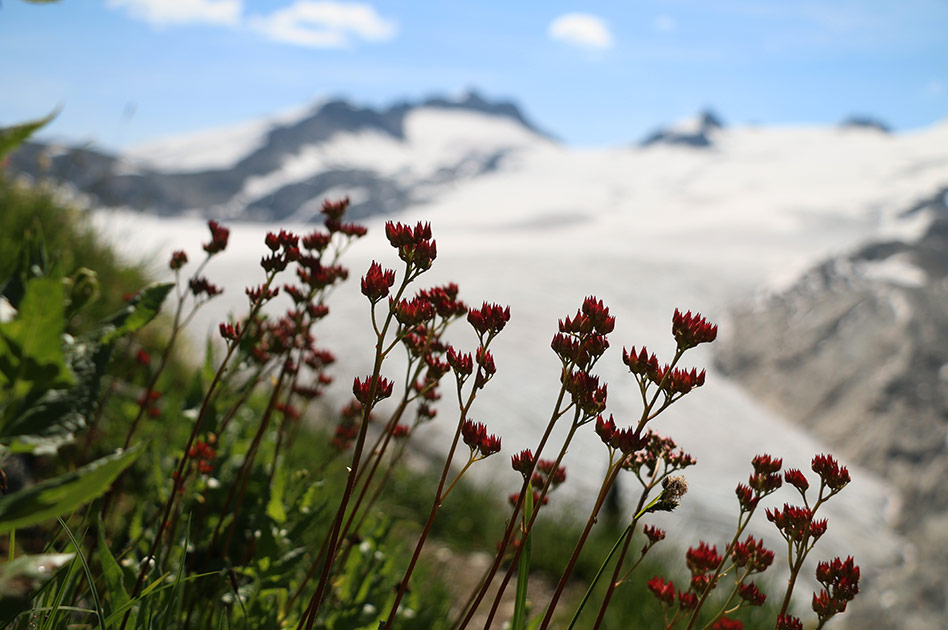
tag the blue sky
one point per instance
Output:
(591, 73)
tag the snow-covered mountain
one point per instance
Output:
(838, 227)
(281, 168)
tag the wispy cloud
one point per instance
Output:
(310, 23)
(178, 12)
(325, 24)
(581, 29)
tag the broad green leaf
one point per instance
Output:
(44, 424)
(12, 137)
(32, 342)
(61, 495)
(140, 310)
(112, 572)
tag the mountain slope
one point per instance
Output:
(276, 169)
(856, 352)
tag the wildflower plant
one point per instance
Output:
(231, 515)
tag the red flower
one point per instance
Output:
(690, 330)
(522, 462)
(362, 390)
(413, 312)
(752, 553)
(727, 624)
(401, 431)
(414, 245)
(178, 259)
(664, 591)
(142, 357)
(788, 622)
(654, 534)
(796, 523)
(796, 479)
(316, 241)
(766, 465)
(834, 476)
(377, 282)
(476, 437)
(201, 285)
(687, 600)
(261, 293)
(750, 594)
(335, 209)
(489, 319)
(463, 364)
(703, 559)
(219, 236)
(229, 331)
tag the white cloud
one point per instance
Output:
(581, 29)
(325, 24)
(664, 24)
(176, 12)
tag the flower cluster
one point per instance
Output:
(833, 476)
(369, 391)
(415, 245)
(840, 580)
(219, 236)
(752, 554)
(204, 454)
(377, 282)
(476, 437)
(690, 330)
(586, 392)
(702, 561)
(149, 401)
(489, 319)
(178, 259)
(657, 450)
(765, 480)
(626, 441)
(796, 524)
(201, 286)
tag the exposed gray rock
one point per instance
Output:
(696, 134)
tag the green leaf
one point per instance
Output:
(140, 310)
(275, 509)
(111, 571)
(523, 568)
(32, 342)
(44, 424)
(63, 494)
(88, 571)
(12, 137)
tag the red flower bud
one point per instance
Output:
(690, 330)
(219, 236)
(664, 591)
(377, 282)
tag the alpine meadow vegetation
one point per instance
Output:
(141, 490)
